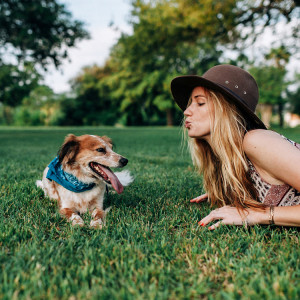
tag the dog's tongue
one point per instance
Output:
(116, 184)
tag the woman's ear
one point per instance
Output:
(69, 149)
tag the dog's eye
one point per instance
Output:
(101, 150)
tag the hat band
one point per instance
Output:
(236, 95)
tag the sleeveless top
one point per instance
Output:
(272, 194)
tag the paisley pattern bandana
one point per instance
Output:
(67, 180)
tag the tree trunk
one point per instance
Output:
(8, 115)
(265, 111)
(280, 112)
(169, 117)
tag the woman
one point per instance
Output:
(250, 173)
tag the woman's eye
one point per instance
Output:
(200, 104)
(101, 150)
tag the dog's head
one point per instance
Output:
(90, 157)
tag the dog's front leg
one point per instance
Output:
(72, 216)
(98, 220)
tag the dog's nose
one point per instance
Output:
(123, 161)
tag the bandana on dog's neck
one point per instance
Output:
(67, 180)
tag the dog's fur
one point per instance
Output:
(76, 155)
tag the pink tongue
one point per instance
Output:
(116, 184)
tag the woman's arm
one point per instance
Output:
(278, 162)
(287, 215)
(283, 216)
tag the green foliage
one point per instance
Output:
(169, 38)
(175, 37)
(280, 56)
(41, 107)
(38, 30)
(39, 96)
(16, 82)
(25, 116)
(162, 46)
(161, 28)
(32, 32)
(151, 248)
(93, 104)
(271, 83)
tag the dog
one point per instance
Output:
(80, 174)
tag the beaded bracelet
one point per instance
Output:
(271, 217)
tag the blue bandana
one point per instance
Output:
(68, 181)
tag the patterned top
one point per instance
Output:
(272, 194)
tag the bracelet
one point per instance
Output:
(271, 217)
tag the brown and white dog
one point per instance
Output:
(78, 177)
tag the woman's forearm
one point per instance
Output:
(229, 215)
(283, 216)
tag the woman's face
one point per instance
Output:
(199, 115)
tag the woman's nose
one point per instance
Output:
(187, 112)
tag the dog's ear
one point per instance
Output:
(69, 149)
(107, 140)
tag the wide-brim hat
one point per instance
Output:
(234, 83)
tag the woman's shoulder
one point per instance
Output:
(262, 133)
(263, 143)
(275, 157)
(260, 138)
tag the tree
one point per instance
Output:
(42, 103)
(38, 30)
(17, 82)
(279, 57)
(93, 101)
(33, 34)
(295, 102)
(272, 84)
(172, 37)
(163, 45)
(294, 98)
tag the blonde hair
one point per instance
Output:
(222, 161)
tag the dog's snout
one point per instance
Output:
(123, 161)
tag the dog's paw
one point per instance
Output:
(76, 220)
(97, 224)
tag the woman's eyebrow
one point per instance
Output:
(198, 96)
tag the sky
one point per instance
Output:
(97, 15)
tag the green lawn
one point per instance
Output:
(151, 248)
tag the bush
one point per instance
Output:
(25, 116)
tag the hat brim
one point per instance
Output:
(182, 87)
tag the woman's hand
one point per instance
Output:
(229, 215)
(199, 199)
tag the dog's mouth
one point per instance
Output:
(107, 175)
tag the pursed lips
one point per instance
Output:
(187, 124)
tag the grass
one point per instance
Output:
(151, 248)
